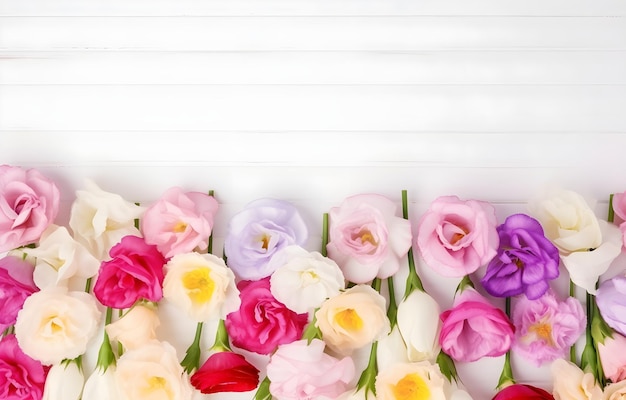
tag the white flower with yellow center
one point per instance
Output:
(201, 285)
(411, 381)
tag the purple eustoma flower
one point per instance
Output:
(526, 260)
(611, 300)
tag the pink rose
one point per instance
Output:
(619, 206)
(16, 284)
(21, 377)
(474, 329)
(179, 221)
(367, 239)
(456, 237)
(300, 371)
(29, 202)
(613, 357)
(262, 323)
(134, 272)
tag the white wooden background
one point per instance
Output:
(314, 100)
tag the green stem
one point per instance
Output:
(106, 357)
(611, 216)
(392, 310)
(413, 281)
(191, 362)
(506, 377)
(572, 349)
(210, 244)
(324, 234)
(367, 379)
(221, 338)
(263, 392)
(88, 285)
(376, 284)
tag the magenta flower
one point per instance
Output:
(16, 284)
(21, 377)
(546, 328)
(260, 230)
(526, 260)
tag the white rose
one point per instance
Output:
(353, 319)
(391, 350)
(419, 324)
(56, 324)
(201, 285)
(64, 382)
(101, 385)
(101, 219)
(567, 221)
(571, 383)
(152, 371)
(61, 261)
(401, 380)
(302, 280)
(135, 328)
(615, 391)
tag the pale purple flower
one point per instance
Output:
(526, 260)
(546, 328)
(611, 300)
(257, 232)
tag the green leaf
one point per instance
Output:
(312, 332)
(191, 362)
(263, 392)
(447, 366)
(599, 328)
(506, 377)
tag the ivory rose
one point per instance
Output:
(571, 383)
(65, 381)
(353, 319)
(61, 260)
(16, 284)
(257, 232)
(29, 202)
(101, 385)
(421, 380)
(56, 324)
(21, 377)
(100, 219)
(179, 221)
(367, 238)
(391, 349)
(615, 391)
(455, 237)
(301, 370)
(419, 324)
(152, 371)
(302, 280)
(201, 286)
(613, 357)
(474, 329)
(135, 328)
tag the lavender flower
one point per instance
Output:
(526, 260)
(611, 300)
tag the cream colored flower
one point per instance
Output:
(101, 219)
(135, 328)
(353, 319)
(101, 385)
(302, 280)
(615, 391)
(56, 324)
(420, 380)
(391, 350)
(152, 372)
(64, 382)
(61, 261)
(419, 324)
(201, 286)
(571, 383)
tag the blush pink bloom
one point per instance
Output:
(303, 371)
(179, 222)
(546, 328)
(613, 357)
(619, 206)
(134, 272)
(16, 284)
(262, 323)
(474, 329)
(29, 202)
(456, 237)
(21, 377)
(367, 239)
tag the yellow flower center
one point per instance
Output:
(265, 240)
(52, 326)
(411, 387)
(543, 331)
(349, 319)
(309, 277)
(157, 384)
(199, 284)
(179, 227)
(366, 236)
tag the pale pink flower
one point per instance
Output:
(613, 357)
(619, 206)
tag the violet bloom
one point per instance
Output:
(526, 260)
(611, 300)
(257, 232)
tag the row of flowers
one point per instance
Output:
(305, 313)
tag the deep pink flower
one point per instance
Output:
(134, 272)
(474, 329)
(179, 221)
(29, 202)
(21, 377)
(456, 237)
(16, 284)
(225, 372)
(262, 322)
(522, 392)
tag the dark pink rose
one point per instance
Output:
(21, 377)
(474, 329)
(16, 284)
(29, 202)
(262, 322)
(134, 272)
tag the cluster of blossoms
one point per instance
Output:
(291, 322)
